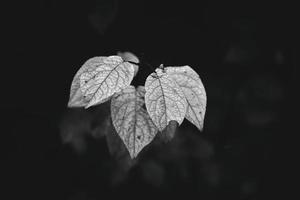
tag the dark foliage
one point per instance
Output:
(243, 51)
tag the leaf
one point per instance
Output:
(131, 120)
(76, 96)
(74, 127)
(130, 57)
(100, 124)
(164, 99)
(194, 92)
(107, 76)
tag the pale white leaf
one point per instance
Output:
(76, 96)
(164, 99)
(131, 120)
(194, 92)
(110, 76)
(130, 57)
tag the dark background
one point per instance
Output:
(244, 52)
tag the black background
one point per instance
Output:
(244, 52)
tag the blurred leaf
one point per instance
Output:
(103, 14)
(169, 132)
(74, 126)
(100, 123)
(102, 129)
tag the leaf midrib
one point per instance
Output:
(164, 100)
(105, 79)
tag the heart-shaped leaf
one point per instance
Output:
(164, 99)
(194, 92)
(99, 78)
(131, 120)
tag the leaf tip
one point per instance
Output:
(132, 156)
